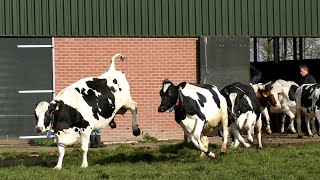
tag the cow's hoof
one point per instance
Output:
(300, 136)
(212, 155)
(202, 156)
(233, 147)
(57, 168)
(282, 131)
(223, 153)
(84, 166)
(136, 132)
(246, 145)
(223, 150)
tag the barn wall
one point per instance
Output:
(149, 61)
(159, 18)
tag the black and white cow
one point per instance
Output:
(86, 105)
(308, 104)
(198, 109)
(283, 92)
(244, 112)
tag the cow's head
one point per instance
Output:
(274, 91)
(169, 96)
(40, 113)
(44, 114)
(266, 98)
(267, 94)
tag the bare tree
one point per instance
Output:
(311, 49)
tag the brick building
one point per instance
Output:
(149, 61)
(47, 44)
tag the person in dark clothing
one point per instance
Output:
(255, 75)
(306, 78)
(95, 139)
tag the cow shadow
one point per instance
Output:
(30, 161)
(165, 153)
(162, 153)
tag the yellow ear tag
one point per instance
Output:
(57, 108)
(245, 96)
(180, 88)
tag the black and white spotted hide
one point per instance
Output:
(243, 111)
(308, 105)
(198, 109)
(86, 105)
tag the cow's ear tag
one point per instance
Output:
(245, 96)
(180, 88)
(57, 108)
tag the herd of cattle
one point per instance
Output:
(92, 103)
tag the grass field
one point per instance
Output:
(167, 161)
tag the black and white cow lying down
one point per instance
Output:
(308, 104)
(243, 112)
(198, 109)
(86, 105)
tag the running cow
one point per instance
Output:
(86, 105)
(244, 112)
(308, 104)
(198, 109)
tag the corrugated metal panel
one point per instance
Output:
(159, 17)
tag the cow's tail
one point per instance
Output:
(112, 66)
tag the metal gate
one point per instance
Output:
(224, 60)
(26, 77)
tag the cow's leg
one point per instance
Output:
(205, 142)
(292, 117)
(265, 113)
(319, 125)
(195, 138)
(313, 125)
(250, 122)
(317, 114)
(258, 129)
(133, 108)
(236, 143)
(224, 124)
(240, 123)
(307, 120)
(85, 139)
(237, 136)
(283, 121)
(298, 120)
(61, 151)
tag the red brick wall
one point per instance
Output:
(149, 61)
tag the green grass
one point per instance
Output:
(177, 161)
